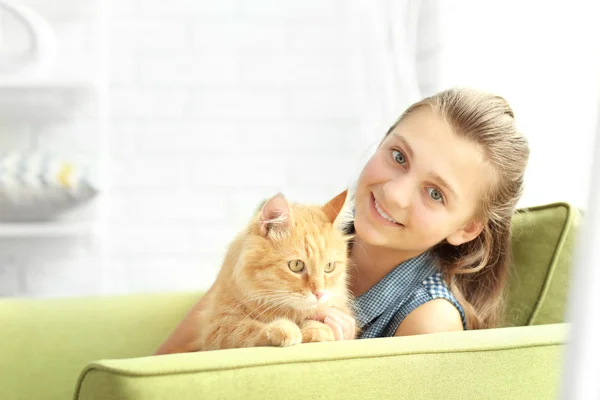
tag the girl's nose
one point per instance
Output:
(399, 193)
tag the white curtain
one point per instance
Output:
(402, 48)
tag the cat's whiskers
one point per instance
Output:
(287, 296)
(353, 264)
(301, 305)
(290, 300)
(266, 300)
(270, 291)
(259, 299)
(290, 310)
(277, 309)
(262, 292)
(277, 303)
(246, 301)
(258, 308)
(354, 242)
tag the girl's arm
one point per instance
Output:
(437, 315)
(183, 338)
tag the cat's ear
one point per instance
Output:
(275, 215)
(334, 206)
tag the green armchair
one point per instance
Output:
(100, 348)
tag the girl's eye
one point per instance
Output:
(399, 157)
(296, 265)
(330, 267)
(435, 194)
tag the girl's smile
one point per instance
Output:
(378, 210)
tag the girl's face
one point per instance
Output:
(423, 185)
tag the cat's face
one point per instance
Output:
(295, 258)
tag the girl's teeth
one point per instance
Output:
(384, 215)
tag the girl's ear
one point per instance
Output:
(467, 233)
(275, 215)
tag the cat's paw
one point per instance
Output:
(282, 333)
(315, 331)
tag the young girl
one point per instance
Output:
(432, 223)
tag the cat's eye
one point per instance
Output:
(330, 267)
(296, 265)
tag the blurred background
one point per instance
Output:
(136, 138)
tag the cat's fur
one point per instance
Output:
(257, 300)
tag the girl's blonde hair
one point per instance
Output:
(477, 271)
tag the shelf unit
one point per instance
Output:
(71, 90)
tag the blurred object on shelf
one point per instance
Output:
(39, 187)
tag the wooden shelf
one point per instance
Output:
(45, 229)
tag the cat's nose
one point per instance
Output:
(319, 293)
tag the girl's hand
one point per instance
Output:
(342, 324)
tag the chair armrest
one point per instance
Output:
(45, 343)
(515, 363)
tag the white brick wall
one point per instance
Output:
(216, 105)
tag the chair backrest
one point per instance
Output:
(542, 248)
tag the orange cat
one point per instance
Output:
(288, 264)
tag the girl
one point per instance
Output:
(432, 222)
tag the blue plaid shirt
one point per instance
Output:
(409, 285)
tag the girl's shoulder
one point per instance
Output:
(415, 282)
(431, 288)
(436, 288)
